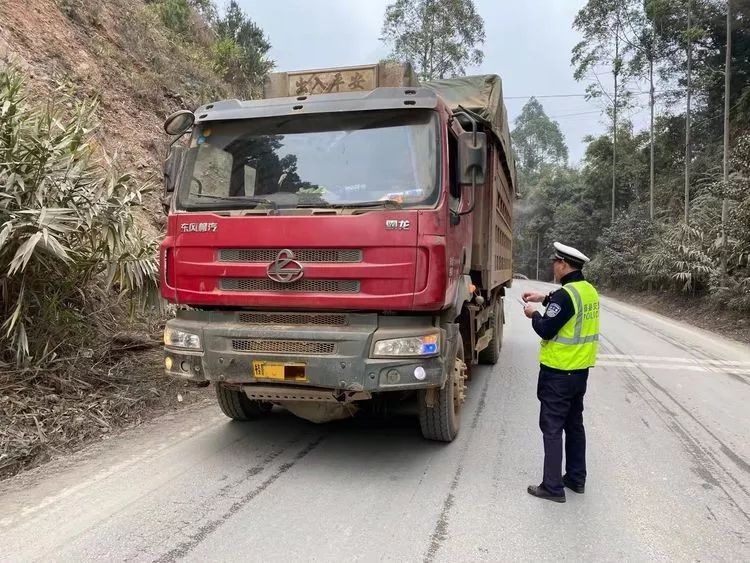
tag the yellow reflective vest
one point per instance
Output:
(576, 344)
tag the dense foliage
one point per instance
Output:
(573, 205)
(68, 236)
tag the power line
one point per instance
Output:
(635, 93)
(576, 114)
(546, 96)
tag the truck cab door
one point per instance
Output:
(461, 202)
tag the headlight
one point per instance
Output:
(175, 338)
(428, 345)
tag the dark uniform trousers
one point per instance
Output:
(561, 396)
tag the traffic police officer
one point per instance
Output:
(569, 330)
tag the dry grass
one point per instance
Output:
(58, 410)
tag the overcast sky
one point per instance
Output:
(528, 44)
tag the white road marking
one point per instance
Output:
(674, 367)
(696, 361)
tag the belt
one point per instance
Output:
(564, 371)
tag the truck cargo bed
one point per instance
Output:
(492, 247)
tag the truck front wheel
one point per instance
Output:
(440, 415)
(235, 404)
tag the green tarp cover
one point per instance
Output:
(483, 96)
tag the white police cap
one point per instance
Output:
(570, 254)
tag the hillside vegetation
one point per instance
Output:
(84, 89)
(682, 244)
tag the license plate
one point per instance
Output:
(279, 372)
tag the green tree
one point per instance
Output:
(647, 57)
(440, 37)
(241, 53)
(188, 18)
(603, 24)
(176, 15)
(205, 8)
(538, 140)
(632, 187)
(553, 208)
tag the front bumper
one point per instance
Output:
(334, 357)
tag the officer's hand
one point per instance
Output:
(529, 311)
(533, 297)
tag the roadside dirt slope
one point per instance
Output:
(120, 53)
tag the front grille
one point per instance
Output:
(284, 346)
(302, 286)
(294, 319)
(266, 255)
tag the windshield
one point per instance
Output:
(368, 159)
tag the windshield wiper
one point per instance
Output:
(239, 199)
(378, 203)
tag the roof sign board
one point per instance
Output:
(332, 81)
(339, 80)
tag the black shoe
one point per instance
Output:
(580, 489)
(541, 492)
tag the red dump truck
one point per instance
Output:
(344, 242)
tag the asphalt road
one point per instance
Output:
(668, 420)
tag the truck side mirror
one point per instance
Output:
(472, 157)
(179, 122)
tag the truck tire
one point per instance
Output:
(490, 355)
(235, 404)
(442, 421)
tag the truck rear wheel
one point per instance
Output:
(442, 420)
(235, 404)
(490, 355)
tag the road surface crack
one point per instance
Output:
(440, 532)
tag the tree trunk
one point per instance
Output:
(652, 100)
(688, 147)
(429, 32)
(614, 122)
(727, 91)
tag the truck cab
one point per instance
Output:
(321, 249)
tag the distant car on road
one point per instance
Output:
(518, 276)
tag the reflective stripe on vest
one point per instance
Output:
(576, 344)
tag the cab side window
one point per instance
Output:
(455, 189)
